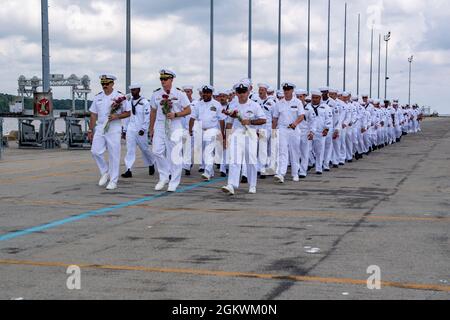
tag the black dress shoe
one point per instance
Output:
(127, 175)
(201, 170)
(350, 161)
(326, 170)
(319, 173)
(223, 174)
(310, 168)
(187, 172)
(263, 177)
(335, 166)
(342, 164)
(302, 177)
(244, 180)
(151, 170)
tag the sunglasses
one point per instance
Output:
(106, 83)
(241, 91)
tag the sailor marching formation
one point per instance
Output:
(245, 133)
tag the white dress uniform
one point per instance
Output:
(362, 126)
(188, 141)
(287, 112)
(243, 144)
(337, 124)
(138, 121)
(342, 155)
(265, 136)
(348, 149)
(369, 134)
(111, 140)
(322, 122)
(167, 144)
(208, 115)
(328, 147)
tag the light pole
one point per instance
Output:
(345, 47)
(359, 44)
(371, 62)
(211, 46)
(279, 46)
(128, 49)
(328, 44)
(45, 47)
(387, 37)
(309, 46)
(379, 66)
(410, 60)
(249, 39)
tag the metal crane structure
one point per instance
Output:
(46, 137)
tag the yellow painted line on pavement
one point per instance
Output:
(228, 274)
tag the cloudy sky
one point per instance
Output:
(88, 37)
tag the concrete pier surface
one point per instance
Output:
(388, 213)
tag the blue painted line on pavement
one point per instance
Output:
(98, 212)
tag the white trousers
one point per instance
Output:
(289, 147)
(328, 152)
(107, 142)
(135, 140)
(318, 146)
(168, 154)
(242, 152)
(349, 139)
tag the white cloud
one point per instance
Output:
(87, 37)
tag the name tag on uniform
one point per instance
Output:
(213, 109)
(293, 107)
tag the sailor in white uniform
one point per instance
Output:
(107, 110)
(208, 113)
(136, 132)
(321, 127)
(169, 106)
(287, 115)
(242, 143)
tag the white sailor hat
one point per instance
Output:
(301, 92)
(324, 89)
(263, 85)
(396, 101)
(355, 98)
(346, 94)
(340, 93)
(188, 87)
(222, 92)
(280, 93)
(135, 86)
(332, 90)
(244, 84)
(207, 87)
(376, 101)
(288, 86)
(229, 92)
(364, 95)
(107, 76)
(316, 93)
(167, 74)
(270, 89)
(370, 100)
(246, 81)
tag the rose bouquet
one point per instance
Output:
(115, 107)
(167, 105)
(237, 115)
